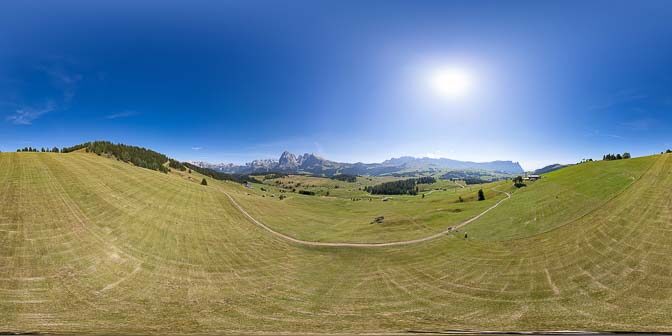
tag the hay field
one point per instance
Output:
(92, 245)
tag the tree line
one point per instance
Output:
(609, 157)
(219, 175)
(43, 150)
(149, 159)
(139, 156)
(172, 163)
(401, 187)
(345, 177)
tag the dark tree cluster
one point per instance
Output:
(75, 147)
(518, 182)
(401, 187)
(610, 157)
(307, 192)
(475, 180)
(345, 177)
(220, 176)
(139, 156)
(172, 163)
(426, 180)
(43, 150)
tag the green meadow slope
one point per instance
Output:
(93, 245)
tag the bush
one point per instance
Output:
(204, 182)
(518, 182)
(481, 195)
(307, 192)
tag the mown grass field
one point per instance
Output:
(348, 214)
(89, 244)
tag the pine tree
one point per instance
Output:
(204, 182)
(481, 195)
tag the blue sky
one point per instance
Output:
(227, 81)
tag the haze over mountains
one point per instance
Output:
(311, 163)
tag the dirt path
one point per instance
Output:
(396, 243)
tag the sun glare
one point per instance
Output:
(450, 83)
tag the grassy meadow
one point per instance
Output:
(348, 214)
(92, 245)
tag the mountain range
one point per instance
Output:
(313, 164)
(549, 168)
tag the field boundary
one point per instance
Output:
(367, 245)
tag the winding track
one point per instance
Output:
(396, 243)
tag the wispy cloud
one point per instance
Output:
(27, 114)
(602, 134)
(620, 97)
(643, 124)
(122, 114)
(196, 148)
(63, 79)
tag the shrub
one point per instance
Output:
(204, 182)
(518, 182)
(481, 195)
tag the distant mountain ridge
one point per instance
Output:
(549, 168)
(311, 163)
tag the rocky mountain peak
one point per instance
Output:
(288, 161)
(307, 160)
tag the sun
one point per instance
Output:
(450, 83)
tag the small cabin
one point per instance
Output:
(533, 177)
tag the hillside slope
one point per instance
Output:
(89, 244)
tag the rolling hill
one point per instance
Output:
(90, 244)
